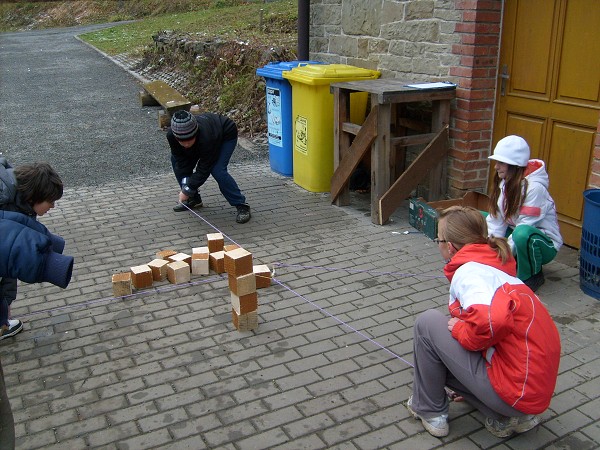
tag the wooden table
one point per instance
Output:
(385, 130)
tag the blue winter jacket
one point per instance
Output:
(31, 253)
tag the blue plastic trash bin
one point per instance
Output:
(279, 114)
(589, 253)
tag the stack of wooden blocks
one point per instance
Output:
(244, 278)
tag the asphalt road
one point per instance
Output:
(63, 102)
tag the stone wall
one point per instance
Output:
(424, 40)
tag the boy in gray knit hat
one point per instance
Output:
(202, 145)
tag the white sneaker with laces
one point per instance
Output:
(14, 327)
(509, 425)
(436, 426)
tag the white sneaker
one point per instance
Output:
(14, 327)
(509, 425)
(436, 426)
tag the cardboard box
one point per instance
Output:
(423, 215)
(471, 198)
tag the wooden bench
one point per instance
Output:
(167, 97)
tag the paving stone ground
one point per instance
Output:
(328, 367)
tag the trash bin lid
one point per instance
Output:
(275, 69)
(329, 73)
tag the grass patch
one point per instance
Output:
(241, 22)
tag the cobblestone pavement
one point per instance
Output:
(328, 367)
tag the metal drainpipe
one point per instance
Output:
(303, 27)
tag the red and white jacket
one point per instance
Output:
(504, 320)
(538, 209)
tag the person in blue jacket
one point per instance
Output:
(202, 145)
(28, 251)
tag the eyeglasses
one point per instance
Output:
(439, 241)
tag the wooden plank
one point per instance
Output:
(355, 153)
(169, 98)
(401, 189)
(341, 140)
(352, 128)
(415, 139)
(380, 158)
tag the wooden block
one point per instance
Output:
(263, 276)
(121, 284)
(215, 242)
(242, 285)
(244, 304)
(165, 254)
(238, 262)
(244, 322)
(200, 263)
(159, 269)
(182, 257)
(178, 272)
(141, 276)
(229, 247)
(217, 262)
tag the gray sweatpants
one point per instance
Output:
(441, 361)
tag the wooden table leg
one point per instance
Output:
(440, 117)
(341, 139)
(380, 161)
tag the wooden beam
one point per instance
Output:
(417, 139)
(351, 128)
(357, 150)
(401, 189)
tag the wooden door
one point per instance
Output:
(548, 92)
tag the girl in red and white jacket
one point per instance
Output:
(500, 349)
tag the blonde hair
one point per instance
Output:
(466, 225)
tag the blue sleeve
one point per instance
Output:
(23, 251)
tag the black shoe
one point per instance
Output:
(535, 281)
(243, 213)
(191, 203)
(14, 326)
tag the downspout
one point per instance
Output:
(303, 27)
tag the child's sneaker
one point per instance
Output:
(436, 426)
(507, 426)
(14, 327)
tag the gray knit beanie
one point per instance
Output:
(183, 125)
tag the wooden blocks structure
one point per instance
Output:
(245, 322)
(217, 261)
(182, 257)
(244, 278)
(242, 285)
(141, 276)
(165, 254)
(121, 284)
(263, 276)
(215, 242)
(238, 262)
(200, 263)
(178, 272)
(159, 269)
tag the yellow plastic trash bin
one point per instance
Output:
(312, 115)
